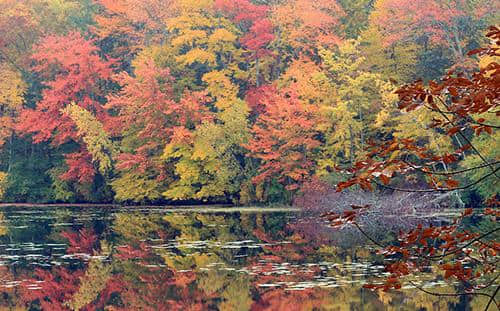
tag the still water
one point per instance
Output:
(160, 259)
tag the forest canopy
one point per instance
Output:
(235, 101)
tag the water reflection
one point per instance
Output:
(116, 259)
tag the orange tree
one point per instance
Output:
(468, 106)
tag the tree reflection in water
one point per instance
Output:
(190, 261)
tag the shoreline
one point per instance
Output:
(219, 208)
(173, 208)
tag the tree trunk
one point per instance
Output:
(257, 83)
(10, 151)
(351, 134)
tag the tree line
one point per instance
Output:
(223, 100)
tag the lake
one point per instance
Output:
(64, 258)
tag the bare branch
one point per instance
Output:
(441, 189)
(451, 173)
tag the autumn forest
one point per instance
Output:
(296, 155)
(228, 101)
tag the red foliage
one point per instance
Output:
(258, 37)
(465, 252)
(400, 19)
(255, 99)
(128, 252)
(260, 29)
(279, 252)
(80, 167)
(146, 101)
(56, 287)
(284, 138)
(83, 241)
(306, 25)
(462, 255)
(242, 10)
(73, 72)
(280, 299)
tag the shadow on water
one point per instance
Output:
(160, 259)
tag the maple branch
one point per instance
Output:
(478, 239)
(367, 236)
(484, 124)
(492, 297)
(469, 118)
(477, 261)
(458, 249)
(451, 173)
(465, 137)
(493, 281)
(440, 189)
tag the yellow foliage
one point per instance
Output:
(488, 146)
(3, 184)
(196, 55)
(415, 125)
(237, 295)
(397, 61)
(4, 229)
(194, 5)
(220, 87)
(221, 35)
(12, 87)
(357, 106)
(188, 169)
(206, 163)
(212, 281)
(94, 136)
(135, 187)
(200, 36)
(485, 60)
(309, 81)
(189, 38)
(135, 227)
(91, 285)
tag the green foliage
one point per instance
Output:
(489, 147)
(62, 189)
(356, 16)
(95, 138)
(135, 187)
(133, 227)
(61, 16)
(28, 179)
(237, 295)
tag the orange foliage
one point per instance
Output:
(284, 138)
(73, 72)
(307, 25)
